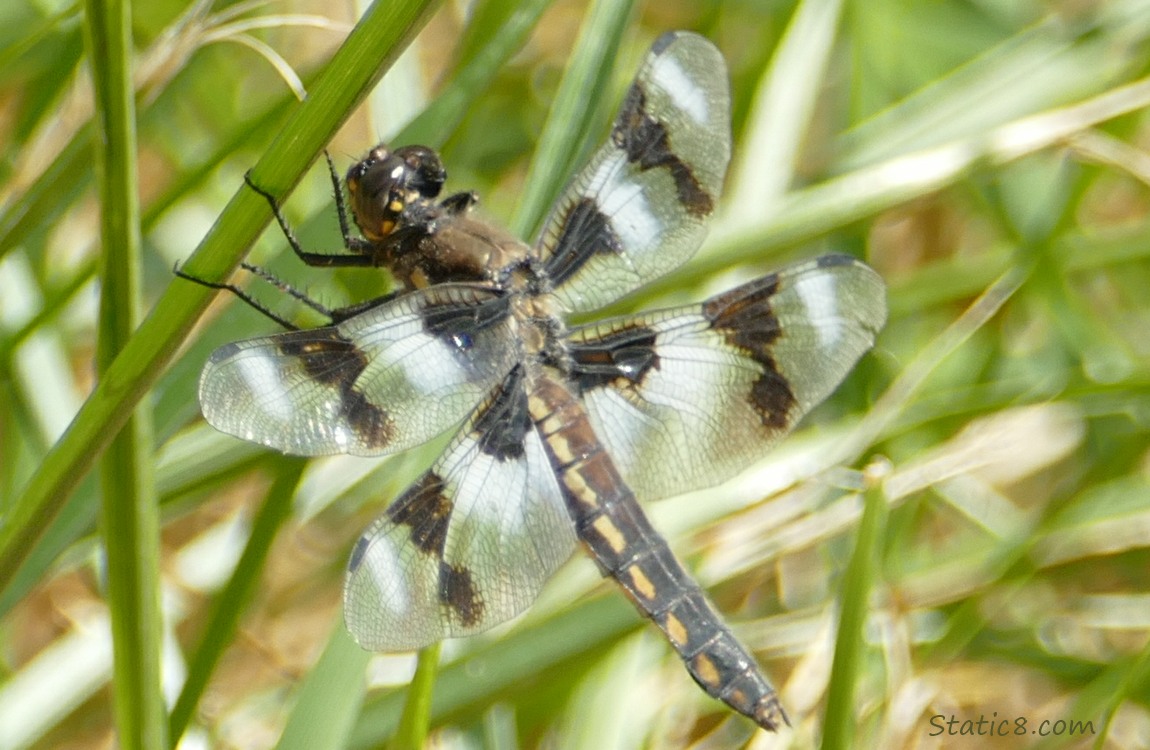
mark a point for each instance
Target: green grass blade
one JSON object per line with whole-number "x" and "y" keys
{"x": 130, "y": 519}
{"x": 413, "y": 724}
{"x": 331, "y": 697}
{"x": 435, "y": 124}
{"x": 573, "y": 111}
{"x": 862, "y": 571}
{"x": 784, "y": 103}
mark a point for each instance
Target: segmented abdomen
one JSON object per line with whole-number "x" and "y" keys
{"x": 616, "y": 532}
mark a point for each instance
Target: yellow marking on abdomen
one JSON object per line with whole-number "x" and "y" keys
{"x": 610, "y": 533}
{"x": 705, "y": 670}
{"x": 546, "y": 417}
{"x": 676, "y": 631}
{"x": 577, "y": 484}
{"x": 642, "y": 583}
{"x": 560, "y": 447}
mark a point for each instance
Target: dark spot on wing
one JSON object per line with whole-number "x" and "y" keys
{"x": 647, "y": 143}
{"x": 773, "y": 399}
{"x": 333, "y": 361}
{"x": 373, "y": 425}
{"x": 426, "y": 509}
{"x": 832, "y": 260}
{"x": 663, "y": 42}
{"x": 457, "y": 591}
{"x": 469, "y": 323}
{"x": 503, "y": 422}
{"x": 628, "y": 353}
{"x": 452, "y": 320}
{"x": 745, "y": 319}
{"x": 327, "y": 357}
{"x": 585, "y": 232}
{"x": 357, "y": 553}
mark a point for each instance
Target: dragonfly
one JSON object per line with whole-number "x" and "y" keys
{"x": 560, "y": 430}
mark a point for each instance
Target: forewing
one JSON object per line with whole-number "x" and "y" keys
{"x": 469, "y": 545}
{"x": 640, "y": 207}
{"x": 389, "y": 378}
{"x": 687, "y": 398}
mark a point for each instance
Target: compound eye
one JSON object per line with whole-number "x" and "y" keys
{"x": 425, "y": 171}
{"x": 386, "y": 184}
{"x": 376, "y": 186}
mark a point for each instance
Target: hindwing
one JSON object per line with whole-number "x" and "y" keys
{"x": 470, "y": 544}
{"x": 686, "y": 398}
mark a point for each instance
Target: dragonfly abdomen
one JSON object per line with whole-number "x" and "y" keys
{"x": 616, "y": 532}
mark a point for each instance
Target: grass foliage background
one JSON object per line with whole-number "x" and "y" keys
{"x": 988, "y": 158}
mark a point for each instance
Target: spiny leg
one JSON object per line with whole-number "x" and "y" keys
{"x": 334, "y": 315}
{"x": 354, "y": 244}
{"x": 251, "y": 301}
{"x": 359, "y": 250}
{"x": 288, "y": 289}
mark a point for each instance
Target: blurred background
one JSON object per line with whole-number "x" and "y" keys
{"x": 988, "y": 158}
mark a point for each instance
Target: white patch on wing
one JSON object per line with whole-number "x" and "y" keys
{"x": 618, "y": 424}
{"x": 386, "y": 576}
{"x": 260, "y": 376}
{"x": 681, "y": 88}
{"x": 503, "y": 495}
{"x": 625, "y": 205}
{"x": 677, "y": 417}
{"x": 434, "y": 369}
{"x": 689, "y": 413}
{"x": 688, "y": 378}
{"x": 509, "y": 528}
{"x": 487, "y": 487}
{"x": 429, "y": 365}
{"x": 819, "y": 296}
{"x": 547, "y": 510}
